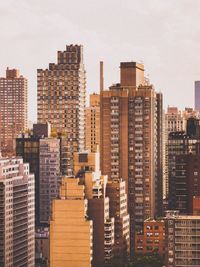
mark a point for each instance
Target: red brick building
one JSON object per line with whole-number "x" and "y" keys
{"x": 152, "y": 239}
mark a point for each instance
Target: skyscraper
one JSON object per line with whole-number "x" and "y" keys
{"x": 175, "y": 121}
{"x": 186, "y": 182}
{"x": 197, "y": 95}
{"x": 61, "y": 98}
{"x": 50, "y": 176}
{"x": 28, "y": 147}
{"x": 13, "y": 109}
{"x": 17, "y": 209}
{"x": 183, "y": 166}
{"x": 131, "y": 142}
{"x": 92, "y": 123}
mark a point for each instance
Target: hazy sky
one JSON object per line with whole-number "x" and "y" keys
{"x": 163, "y": 34}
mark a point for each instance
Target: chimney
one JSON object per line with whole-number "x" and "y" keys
{"x": 101, "y": 77}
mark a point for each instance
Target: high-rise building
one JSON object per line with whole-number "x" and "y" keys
{"x": 62, "y": 97}
{"x": 50, "y": 176}
{"x": 175, "y": 121}
{"x": 116, "y": 192}
{"x": 113, "y": 198}
{"x": 197, "y": 95}
{"x": 183, "y": 170}
{"x": 185, "y": 179}
{"x": 191, "y": 113}
{"x": 92, "y": 123}
{"x": 86, "y": 166}
{"x": 182, "y": 240}
{"x": 17, "y": 231}
{"x": 42, "y": 253}
{"x": 13, "y": 109}
{"x": 28, "y": 147}
{"x": 131, "y": 142}
{"x": 71, "y": 232}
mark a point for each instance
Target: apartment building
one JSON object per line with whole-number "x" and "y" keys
{"x": 132, "y": 142}
{"x": 13, "y": 109}
{"x": 50, "y": 176}
{"x": 61, "y": 99}
{"x": 86, "y": 167}
{"x": 186, "y": 183}
{"x": 175, "y": 121}
{"x": 183, "y": 240}
{"x": 71, "y": 232}
{"x": 17, "y": 213}
{"x": 116, "y": 191}
{"x": 92, "y": 123}
{"x": 183, "y": 166}
{"x": 27, "y": 147}
{"x": 152, "y": 239}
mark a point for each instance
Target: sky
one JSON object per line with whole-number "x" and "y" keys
{"x": 163, "y": 34}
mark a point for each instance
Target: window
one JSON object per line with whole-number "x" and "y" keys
{"x": 83, "y": 157}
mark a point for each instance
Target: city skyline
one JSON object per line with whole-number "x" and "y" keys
{"x": 169, "y": 49}
{"x": 99, "y": 133}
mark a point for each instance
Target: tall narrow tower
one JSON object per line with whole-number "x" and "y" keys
{"x": 131, "y": 142}
{"x": 13, "y": 109}
{"x": 92, "y": 125}
{"x": 17, "y": 228}
{"x": 61, "y": 98}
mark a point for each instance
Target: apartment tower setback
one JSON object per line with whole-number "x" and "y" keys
{"x": 61, "y": 99}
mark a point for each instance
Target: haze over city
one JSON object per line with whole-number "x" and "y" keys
{"x": 100, "y": 133}
{"x": 164, "y": 35}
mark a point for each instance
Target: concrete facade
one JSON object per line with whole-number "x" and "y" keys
{"x": 17, "y": 213}
{"x": 182, "y": 240}
{"x": 116, "y": 192}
